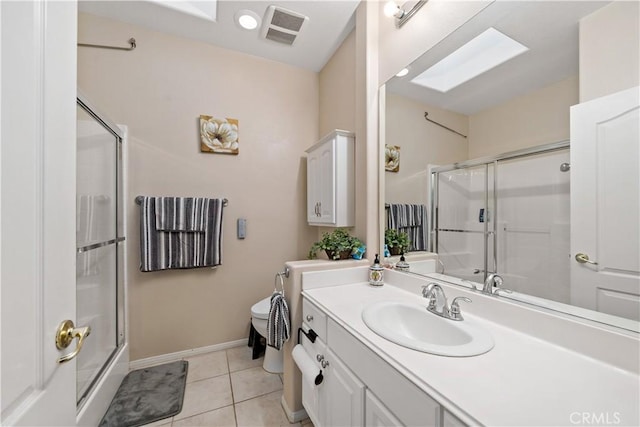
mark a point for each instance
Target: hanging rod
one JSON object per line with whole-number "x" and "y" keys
{"x": 441, "y": 125}
{"x": 225, "y": 202}
{"x": 131, "y": 41}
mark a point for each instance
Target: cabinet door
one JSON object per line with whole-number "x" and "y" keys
{"x": 327, "y": 182}
{"x": 450, "y": 420}
{"x": 376, "y": 414}
{"x": 313, "y": 186}
{"x": 343, "y": 395}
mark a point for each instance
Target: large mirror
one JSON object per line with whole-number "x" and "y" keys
{"x": 481, "y": 173}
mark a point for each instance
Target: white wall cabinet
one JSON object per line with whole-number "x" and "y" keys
{"x": 359, "y": 387}
{"x": 331, "y": 181}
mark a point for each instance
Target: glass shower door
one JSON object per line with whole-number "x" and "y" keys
{"x": 533, "y": 224}
{"x": 463, "y": 232}
{"x": 99, "y": 288}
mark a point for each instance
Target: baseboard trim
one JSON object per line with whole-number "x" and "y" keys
{"x": 179, "y": 355}
{"x": 293, "y": 417}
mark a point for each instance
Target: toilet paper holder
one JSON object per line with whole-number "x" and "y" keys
{"x": 311, "y": 335}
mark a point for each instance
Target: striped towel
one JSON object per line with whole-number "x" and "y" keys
{"x": 181, "y": 213}
{"x": 278, "y": 322}
{"x": 162, "y": 250}
{"x": 411, "y": 219}
{"x": 403, "y": 216}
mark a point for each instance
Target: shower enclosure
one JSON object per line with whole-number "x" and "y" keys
{"x": 100, "y": 290}
{"x": 507, "y": 214}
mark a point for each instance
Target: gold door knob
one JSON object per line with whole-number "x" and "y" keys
{"x": 66, "y": 333}
{"x": 584, "y": 259}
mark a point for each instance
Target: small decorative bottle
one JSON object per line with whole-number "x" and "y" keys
{"x": 402, "y": 265}
{"x": 376, "y": 273}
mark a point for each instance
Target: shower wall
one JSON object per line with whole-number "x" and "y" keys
{"x": 510, "y": 217}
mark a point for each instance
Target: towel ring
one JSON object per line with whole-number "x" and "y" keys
{"x": 275, "y": 285}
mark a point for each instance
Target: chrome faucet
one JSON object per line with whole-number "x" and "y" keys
{"x": 492, "y": 285}
{"x": 438, "y": 302}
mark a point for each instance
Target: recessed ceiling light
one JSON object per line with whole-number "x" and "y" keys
{"x": 247, "y": 19}
{"x": 402, "y": 72}
{"x": 484, "y": 52}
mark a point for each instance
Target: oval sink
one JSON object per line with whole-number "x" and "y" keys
{"x": 412, "y": 326}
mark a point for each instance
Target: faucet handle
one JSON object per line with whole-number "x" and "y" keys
{"x": 428, "y": 291}
{"x": 470, "y": 284}
{"x": 455, "y": 308}
{"x": 497, "y": 291}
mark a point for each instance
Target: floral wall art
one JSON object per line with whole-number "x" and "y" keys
{"x": 218, "y": 135}
{"x": 391, "y": 158}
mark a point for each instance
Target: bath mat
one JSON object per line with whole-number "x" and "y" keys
{"x": 148, "y": 395}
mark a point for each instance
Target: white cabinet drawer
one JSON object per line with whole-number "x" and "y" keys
{"x": 404, "y": 399}
{"x": 315, "y": 319}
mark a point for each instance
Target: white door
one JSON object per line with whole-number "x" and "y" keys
{"x": 37, "y": 176}
{"x": 605, "y": 204}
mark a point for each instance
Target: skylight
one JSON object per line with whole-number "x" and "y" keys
{"x": 479, "y": 55}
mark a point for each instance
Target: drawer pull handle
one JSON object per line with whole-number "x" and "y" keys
{"x": 309, "y": 318}
{"x": 319, "y": 378}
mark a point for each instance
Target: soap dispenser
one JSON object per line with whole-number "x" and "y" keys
{"x": 402, "y": 265}
{"x": 376, "y": 273}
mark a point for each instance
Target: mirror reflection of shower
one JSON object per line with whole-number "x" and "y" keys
{"x": 507, "y": 215}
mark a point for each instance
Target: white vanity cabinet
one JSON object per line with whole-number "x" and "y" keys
{"x": 331, "y": 180}
{"x": 359, "y": 387}
{"x": 377, "y": 414}
{"x": 339, "y": 399}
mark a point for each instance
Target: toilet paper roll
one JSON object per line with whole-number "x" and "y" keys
{"x": 306, "y": 364}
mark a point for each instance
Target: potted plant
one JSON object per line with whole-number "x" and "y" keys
{"x": 397, "y": 241}
{"x": 338, "y": 245}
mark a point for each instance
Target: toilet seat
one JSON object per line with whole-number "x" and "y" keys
{"x": 260, "y": 310}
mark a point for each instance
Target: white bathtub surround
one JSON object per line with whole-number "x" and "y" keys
{"x": 545, "y": 369}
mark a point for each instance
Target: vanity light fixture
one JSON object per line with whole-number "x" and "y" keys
{"x": 402, "y": 13}
{"x": 482, "y": 53}
{"x": 402, "y": 72}
{"x": 247, "y": 19}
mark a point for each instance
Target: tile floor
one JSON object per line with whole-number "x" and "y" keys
{"x": 227, "y": 388}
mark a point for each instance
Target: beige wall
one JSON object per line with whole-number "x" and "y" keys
{"x": 338, "y": 101}
{"x": 609, "y": 50}
{"x": 337, "y": 89}
{"x": 158, "y": 91}
{"x": 421, "y": 143}
{"x": 536, "y": 118}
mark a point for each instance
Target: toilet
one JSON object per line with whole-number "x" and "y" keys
{"x": 272, "y": 357}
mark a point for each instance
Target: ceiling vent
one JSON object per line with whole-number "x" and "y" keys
{"x": 282, "y": 25}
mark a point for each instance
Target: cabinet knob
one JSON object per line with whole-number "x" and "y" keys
{"x": 309, "y": 318}
{"x": 319, "y": 357}
{"x": 324, "y": 364}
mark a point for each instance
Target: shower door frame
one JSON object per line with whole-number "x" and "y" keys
{"x": 434, "y": 172}
{"x": 94, "y": 402}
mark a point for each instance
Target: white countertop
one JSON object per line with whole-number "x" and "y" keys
{"x": 523, "y": 380}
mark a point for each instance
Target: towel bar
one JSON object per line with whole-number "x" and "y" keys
{"x": 225, "y": 202}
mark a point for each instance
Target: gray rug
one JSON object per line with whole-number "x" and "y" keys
{"x": 148, "y": 395}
